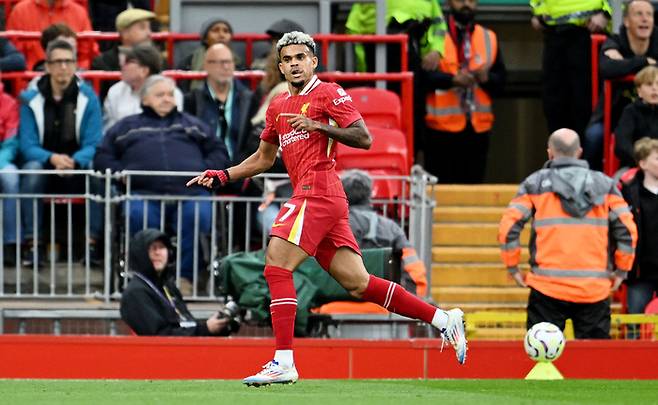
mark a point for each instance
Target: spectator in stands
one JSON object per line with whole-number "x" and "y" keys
{"x": 224, "y": 103}
{"x": 423, "y": 22}
{"x": 459, "y": 112}
{"x": 103, "y": 13}
{"x": 566, "y": 64}
{"x": 639, "y": 118}
{"x": 275, "y": 32}
{"x": 213, "y": 31}
{"x": 134, "y": 27}
{"x": 60, "y": 125}
{"x": 35, "y": 15}
{"x": 372, "y": 230}
{"x": 8, "y": 181}
{"x": 151, "y": 304}
{"x": 579, "y": 221}
{"x": 10, "y": 59}
{"x": 641, "y": 193}
{"x": 142, "y": 61}
{"x": 51, "y": 33}
{"x": 635, "y": 47}
{"x": 180, "y": 143}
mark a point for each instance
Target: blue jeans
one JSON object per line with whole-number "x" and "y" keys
{"x": 9, "y": 185}
{"x": 136, "y": 214}
{"x": 32, "y": 184}
{"x": 593, "y": 146}
{"x": 638, "y": 295}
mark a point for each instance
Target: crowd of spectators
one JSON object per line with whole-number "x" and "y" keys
{"x": 58, "y": 122}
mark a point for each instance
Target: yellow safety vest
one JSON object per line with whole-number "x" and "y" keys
{"x": 446, "y": 111}
{"x": 576, "y": 12}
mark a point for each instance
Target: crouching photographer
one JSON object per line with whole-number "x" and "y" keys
{"x": 152, "y": 305}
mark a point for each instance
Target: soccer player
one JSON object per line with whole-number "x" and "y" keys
{"x": 306, "y": 122}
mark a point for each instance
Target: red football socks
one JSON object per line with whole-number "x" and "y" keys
{"x": 396, "y": 299}
{"x": 283, "y": 306}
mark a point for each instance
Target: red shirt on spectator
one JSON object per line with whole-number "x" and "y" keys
{"x": 35, "y": 15}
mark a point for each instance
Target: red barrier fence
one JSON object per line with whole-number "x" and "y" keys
{"x": 596, "y": 41}
{"x": 129, "y": 357}
{"x": 610, "y": 161}
{"x": 170, "y": 38}
{"x": 20, "y": 80}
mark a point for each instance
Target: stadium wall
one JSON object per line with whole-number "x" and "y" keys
{"x": 92, "y": 357}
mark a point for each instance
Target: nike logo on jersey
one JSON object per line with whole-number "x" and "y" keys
{"x": 277, "y": 225}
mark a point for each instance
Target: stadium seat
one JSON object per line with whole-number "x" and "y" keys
{"x": 379, "y": 107}
{"x": 387, "y": 156}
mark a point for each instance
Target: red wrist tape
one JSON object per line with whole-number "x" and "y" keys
{"x": 221, "y": 175}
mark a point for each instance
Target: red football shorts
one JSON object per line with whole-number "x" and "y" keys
{"x": 319, "y": 225}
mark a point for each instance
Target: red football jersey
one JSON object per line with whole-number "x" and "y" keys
{"x": 310, "y": 157}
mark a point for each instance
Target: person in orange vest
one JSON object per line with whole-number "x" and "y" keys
{"x": 581, "y": 225}
{"x": 459, "y": 114}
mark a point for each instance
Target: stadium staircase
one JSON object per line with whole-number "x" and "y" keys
{"x": 467, "y": 270}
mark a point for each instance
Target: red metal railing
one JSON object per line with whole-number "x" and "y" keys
{"x": 610, "y": 161}
{"x": 597, "y": 41}
{"x": 170, "y": 38}
{"x": 20, "y": 79}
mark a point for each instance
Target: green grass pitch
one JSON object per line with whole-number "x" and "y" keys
{"x": 310, "y": 392}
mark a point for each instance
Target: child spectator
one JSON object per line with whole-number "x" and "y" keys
{"x": 640, "y": 118}
{"x": 641, "y": 193}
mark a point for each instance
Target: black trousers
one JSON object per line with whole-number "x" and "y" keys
{"x": 590, "y": 321}
{"x": 457, "y": 157}
{"x": 567, "y": 78}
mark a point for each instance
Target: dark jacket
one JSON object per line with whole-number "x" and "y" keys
{"x": 145, "y": 306}
{"x": 623, "y": 93}
{"x": 200, "y": 103}
{"x": 632, "y": 191}
{"x": 108, "y": 61}
{"x": 637, "y": 121}
{"x": 10, "y": 58}
{"x": 146, "y": 141}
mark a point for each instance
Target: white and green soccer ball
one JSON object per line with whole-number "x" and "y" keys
{"x": 544, "y": 342}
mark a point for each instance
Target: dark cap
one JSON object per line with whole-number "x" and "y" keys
{"x": 278, "y": 28}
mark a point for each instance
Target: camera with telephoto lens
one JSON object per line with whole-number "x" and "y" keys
{"x": 230, "y": 311}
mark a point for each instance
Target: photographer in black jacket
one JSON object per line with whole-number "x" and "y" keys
{"x": 151, "y": 304}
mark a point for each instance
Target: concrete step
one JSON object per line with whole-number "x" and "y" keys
{"x": 471, "y": 275}
{"x": 468, "y": 307}
{"x": 471, "y": 254}
{"x": 476, "y": 234}
{"x": 480, "y": 294}
{"x": 468, "y": 214}
{"x": 496, "y": 195}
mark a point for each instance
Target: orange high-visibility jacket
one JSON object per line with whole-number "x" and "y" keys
{"x": 445, "y": 109}
{"x": 577, "y": 239}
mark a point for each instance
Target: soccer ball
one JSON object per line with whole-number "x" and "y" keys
{"x": 544, "y": 342}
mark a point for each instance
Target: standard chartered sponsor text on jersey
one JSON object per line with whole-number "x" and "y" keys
{"x": 294, "y": 136}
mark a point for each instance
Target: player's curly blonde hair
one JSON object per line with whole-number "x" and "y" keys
{"x": 295, "y": 38}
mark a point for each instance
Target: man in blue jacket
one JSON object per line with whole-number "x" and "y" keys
{"x": 163, "y": 139}
{"x": 60, "y": 125}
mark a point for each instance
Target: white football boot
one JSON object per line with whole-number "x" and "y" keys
{"x": 454, "y": 333}
{"x": 272, "y": 373}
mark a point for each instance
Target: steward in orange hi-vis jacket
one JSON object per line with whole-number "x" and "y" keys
{"x": 582, "y": 240}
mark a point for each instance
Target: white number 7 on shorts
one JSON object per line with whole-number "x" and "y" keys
{"x": 291, "y": 208}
